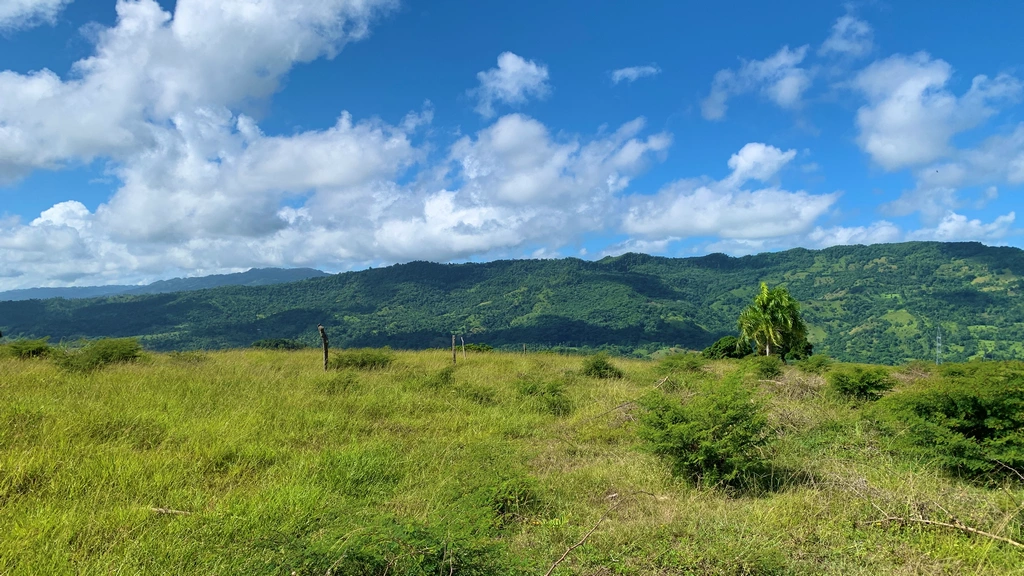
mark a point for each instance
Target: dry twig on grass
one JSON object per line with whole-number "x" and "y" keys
{"x": 618, "y": 501}
{"x": 170, "y": 511}
{"x": 584, "y": 539}
{"x": 661, "y": 382}
{"x": 625, "y": 404}
{"x": 1010, "y": 468}
{"x": 956, "y": 526}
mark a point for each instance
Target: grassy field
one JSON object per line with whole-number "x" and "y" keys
{"x": 258, "y": 462}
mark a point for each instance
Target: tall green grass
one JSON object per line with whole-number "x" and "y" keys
{"x": 259, "y": 462}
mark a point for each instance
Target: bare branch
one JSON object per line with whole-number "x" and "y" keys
{"x": 957, "y": 526}
{"x": 581, "y": 542}
{"x": 170, "y": 511}
{"x": 1011, "y": 469}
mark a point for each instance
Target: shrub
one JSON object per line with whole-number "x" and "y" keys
{"x": 677, "y": 363}
{"x": 768, "y": 367}
{"x": 513, "y": 497}
{"x": 971, "y": 420}
{"x": 918, "y": 367}
{"x": 861, "y": 383}
{"x": 555, "y": 401}
{"x": 443, "y": 378}
{"x": 362, "y": 358}
{"x": 188, "y": 357}
{"x": 550, "y": 394}
{"x": 728, "y": 347}
{"x": 395, "y": 546}
{"x": 482, "y": 395}
{"x": 798, "y": 350}
{"x": 599, "y": 366}
{"x": 99, "y": 353}
{"x": 816, "y": 364}
{"x": 479, "y": 348}
{"x": 719, "y": 436}
{"x": 24, "y": 349}
{"x": 278, "y": 344}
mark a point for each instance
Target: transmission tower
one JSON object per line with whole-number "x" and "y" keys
{"x": 938, "y": 345}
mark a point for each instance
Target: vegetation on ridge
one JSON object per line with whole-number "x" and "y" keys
{"x": 881, "y": 304}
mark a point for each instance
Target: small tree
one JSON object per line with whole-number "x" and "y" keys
{"x": 598, "y": 366}
{"x": 719, "y": 436}
{"x": 772, "y": 322}
{"x": 728, "y": 347}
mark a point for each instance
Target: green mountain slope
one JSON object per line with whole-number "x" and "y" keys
{"x": 880, "y": 303}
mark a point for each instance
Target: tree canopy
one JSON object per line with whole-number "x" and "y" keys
{"x": 772, "y": 322}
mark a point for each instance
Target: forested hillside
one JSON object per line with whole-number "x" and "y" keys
{"x": 880, "y": 303}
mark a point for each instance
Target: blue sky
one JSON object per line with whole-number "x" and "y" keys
{"x": 142, "y": 140}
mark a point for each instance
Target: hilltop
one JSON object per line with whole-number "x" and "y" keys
{"x": 881, "y": 303}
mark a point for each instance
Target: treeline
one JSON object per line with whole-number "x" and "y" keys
{"x": 882, "y": 304}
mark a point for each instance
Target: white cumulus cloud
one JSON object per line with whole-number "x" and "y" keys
{"x": 725, "y": 209}
{"x": 850, "y": 36}
{"x": 152, "y": 65}
{"x": 875, "y": 233}
{"x": 779, "y": 77}
{"x": 514, "y": 81}
{"x": 957, "y": 227}
{"x": 910, "y": 116}
{"x": 15, "y": 14}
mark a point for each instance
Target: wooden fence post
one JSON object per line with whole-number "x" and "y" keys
{"x": 524, "y": 349}
{"x": 463, "y": 347}
{"x": 453, "y": 348}
{"x": 323, "y": 336}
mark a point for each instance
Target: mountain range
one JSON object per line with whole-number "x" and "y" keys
{"x": 883, "y": 303}
{"x": 253, "y": 277}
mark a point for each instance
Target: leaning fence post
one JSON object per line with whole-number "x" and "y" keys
{"x": 453, "y": 348}
{"x": 323, "y": 336}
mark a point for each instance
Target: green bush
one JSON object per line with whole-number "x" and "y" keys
{"x": 970, "y": 420}
{"x": 920, "y": 367}
{"x": 728, "y": 347}
{"x": 861, "y": 383}
{"x": 513, "y": 497}
{"x": 599, "y": 366}
{"x": 551, "y": 394}
{"x": 478, "y": 393}
{"x": 96, "y": 354}
{"x": 801, "y": 349}
{"x": 719, "y": 436}
{"x": 768, "y": 367}
{"x": 24, "y": 349}
{"x": 395, "y": 546}
{"x": 362, "y": 358}
{"x": 278, "y": 344}
{"x": 680, "y": 363}
{"x": 479, "y": 348}
{"x": 816, "y": 364}
{"x": 443, "y": 378}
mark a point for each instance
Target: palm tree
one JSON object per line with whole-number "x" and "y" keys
{"x": 772, "y": 320}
